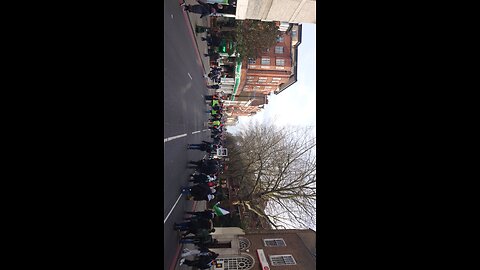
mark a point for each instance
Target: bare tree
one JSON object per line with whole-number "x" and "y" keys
{"x": 276, "y": 166}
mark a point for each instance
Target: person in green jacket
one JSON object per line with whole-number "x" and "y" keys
{"x": 216, "y": 123}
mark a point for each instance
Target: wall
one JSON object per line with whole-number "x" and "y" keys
{"x": 294, "y": 11}
{"x": 272, "y": 74}
{"x": 295, "y": 247}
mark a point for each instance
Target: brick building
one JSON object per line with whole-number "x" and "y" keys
{"x": 266, "y": 249}
{"x": 273, "y": 71}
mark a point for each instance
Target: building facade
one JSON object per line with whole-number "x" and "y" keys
{"x": 273, "y": 68}
{"x": 273, "y": 71}
{"x": 292, "y": 11}
{"x": 265, "y": 249}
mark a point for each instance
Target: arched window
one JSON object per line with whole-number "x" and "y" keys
{"x": 243, "y": 262}
{"x": 244, "y": 243}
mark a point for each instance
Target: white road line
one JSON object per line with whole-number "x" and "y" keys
{"x": 189, "y": 76}
{"x": 174, "y": 137}
{"x": 171, "y": 16}
{"x": 205, "y": 129}
{"x": 196, "y": 132}
{"x": 165, "y": 220}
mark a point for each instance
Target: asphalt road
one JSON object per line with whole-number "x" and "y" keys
{"x": 184, "y": 119}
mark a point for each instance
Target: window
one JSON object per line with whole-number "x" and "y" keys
{"x": 277, "y": 242}
{"x": 294, "y": 33}
{"x": 282, "y": 260}
{"x": 250, "y": 77}
{"x": 278, "y": 49}
{"x": 276, "y": 79}
{"x": 244, "y": 243}
{"x": 265, "y": 50}
{"x": 237, "y": 263}
{"x": 280, "y": 39}
{"x": 280, "y": 62}
{"x": 251, "y": 61}
{"x": 262, "y": 79}
{"x": 265, "y": 61}
{"x": 222, "y": 245}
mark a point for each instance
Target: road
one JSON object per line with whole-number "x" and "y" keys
{"x": 184, "y": 118}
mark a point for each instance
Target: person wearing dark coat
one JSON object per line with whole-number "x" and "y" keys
{"x": 212, "y": 41}
{"x": 203, "y": 262}
{"x": 205, "y": 166}
{"x": 205, "y": 214}
{"x": 204, "y": 146}
{"x": 217, "y": 131}
{"x": 198, "y": 218}
{"x": 216, "y": 107}
{"x": 210, "y": 168}
{"x": 198, "y": 191}
{"x": 201, "y": 147}
{"x": 216, "y": 117}
{"x": 194, "y": 225}
{"x": 217, "y": 140}
{"x": 215, "y": 86}
{"x": 200, "y": 235}
{"x": 197, "y": 252}
{"x": 199, "y": 178}
{"x": 204, "y": 9}
{"x": 211, "y": 97}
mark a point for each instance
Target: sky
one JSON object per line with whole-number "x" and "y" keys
{"x": 296, "y": 105}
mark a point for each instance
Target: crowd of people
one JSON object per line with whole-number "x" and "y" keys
{"x": 197, "y": 227}
{"x": 197, "y": 230}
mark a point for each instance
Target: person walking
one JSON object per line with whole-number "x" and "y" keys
{"x": 215, "y": 123}
{"x": 203, "y": 262}
{"x": 200, "y": 235}
{"x": 200, "y": 146}
{"x": 215, "y": 86}
{"x": 199, "y": 178}
{"x": 202, "y": 8}
{"x": 209, "y": 214}
{"x": 197, "y": 252}
{"x": 198, "y": 191}
{"x": 210, "y": 168}
{"x": 194, "y": 225}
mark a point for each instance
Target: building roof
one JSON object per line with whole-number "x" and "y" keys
{"x": 293, "y": 78}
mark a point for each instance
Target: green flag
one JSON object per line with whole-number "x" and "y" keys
{"x": 220, "y": 211}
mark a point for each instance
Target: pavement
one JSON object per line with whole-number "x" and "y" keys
{"x": 195, "y": 20}
{"x": 185, "y": 120}
{"x": 200, "y": 206}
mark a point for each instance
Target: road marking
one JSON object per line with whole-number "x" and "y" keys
{"x": 199, "y": 61}
{"x": 189, "y": 76}
{"x": 165, "y": 220}
{"x": 205, "y": 129}
{"x": 174, "y": 137}
{"x": 171, "y": 15}
{"x": 175, "y": 259}
{"x": 196, "y": 132}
